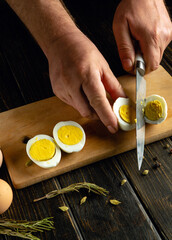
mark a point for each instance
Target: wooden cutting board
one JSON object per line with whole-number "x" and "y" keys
{"x": 40, "y": 118}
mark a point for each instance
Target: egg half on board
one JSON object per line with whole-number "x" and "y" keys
{"x": 43, "y": 151}
{"x": 125, "y": 111}
{"x": 155, "y": 110}
{"x": 69, "y": 136}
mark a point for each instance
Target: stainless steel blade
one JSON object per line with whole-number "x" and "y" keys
{"x": 140, "y": 124}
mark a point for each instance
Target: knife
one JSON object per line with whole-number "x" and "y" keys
{"x": 140, "y": 100}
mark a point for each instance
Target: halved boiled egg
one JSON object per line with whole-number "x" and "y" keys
{"x": 43, "y": 151}
{"x": 154, "y": 107}
{"x": 155, "y": 110}
{"x": 69, "y": 136}
{"x": 125, "y": 113}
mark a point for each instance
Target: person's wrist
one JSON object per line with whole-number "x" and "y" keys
{"x": 60, "y": 38}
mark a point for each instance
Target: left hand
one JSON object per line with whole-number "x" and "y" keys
{"x": 148, "y": 23}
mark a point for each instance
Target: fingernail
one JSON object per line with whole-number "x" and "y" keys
{"x": 112, "y": 129}
{"x": 127, "y": 64}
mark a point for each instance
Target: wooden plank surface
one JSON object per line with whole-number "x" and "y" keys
{"x": 155, "y": 189}
{"x": 41, "y": 117}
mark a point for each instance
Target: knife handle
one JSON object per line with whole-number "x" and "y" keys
{"x": 140, "y": 63}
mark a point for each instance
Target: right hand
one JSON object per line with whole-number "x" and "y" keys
{"x": 80, "y": 76}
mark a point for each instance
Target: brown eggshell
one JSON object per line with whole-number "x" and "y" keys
{"x": 6, "y": 196}
{"x": 1, "y": 158}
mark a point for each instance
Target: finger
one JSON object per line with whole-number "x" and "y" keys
{"x": 124, "y": 44}
{"x": 112, "y": 85}
{"x": 96, "y": 95}
{"x": 151, "y": 54}
{"x": 81, "y": 104}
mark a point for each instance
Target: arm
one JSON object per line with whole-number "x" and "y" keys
{"x": 79, "y": 74}
{"x": 146, "y": 22}
{"x": 46, "y": 20}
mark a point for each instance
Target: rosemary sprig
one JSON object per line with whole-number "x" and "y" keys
{"x": 75, "y": 187}
{"x": 24, "y": 229}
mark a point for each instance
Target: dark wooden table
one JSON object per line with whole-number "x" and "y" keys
{"x": 145, "y": 211}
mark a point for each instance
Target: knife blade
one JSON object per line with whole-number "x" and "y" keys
{"x": 140, "y": 100}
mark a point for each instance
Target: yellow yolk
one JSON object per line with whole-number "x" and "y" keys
{"x": 153, "y": 110}
{"x": 42, "y": 150}
{"x": 127, "y": 113}
{"x": 70, "y": 135}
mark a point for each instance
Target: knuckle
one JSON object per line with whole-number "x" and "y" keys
{"x": 96, "y": 101}
{"x": 86, "y": 114}
{"x": 154, "y": 66}
{"x": 167, "y": 35}
{"x": 155, "y": 34}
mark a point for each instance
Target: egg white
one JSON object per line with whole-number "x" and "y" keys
{"x": 1, "y": 158}
{"x": 47, "y": 163}
{"x": 65, "y": 147}
{"x": 164, "y": 108}
{"x": 116, "y": 106}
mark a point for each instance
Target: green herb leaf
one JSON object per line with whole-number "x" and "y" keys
{"x": 64, "y": 208}
{"x": 145, "y": 172}
{"x": 75, "y": 187}
{"x": 123, "y": 181}
{"x": 83, "y": 200}
{"x": 115, "y": 202}
{"x": 28, "y": 163}
{"x": 23, "y": 228}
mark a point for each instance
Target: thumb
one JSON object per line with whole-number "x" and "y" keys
{"x": 125, "y": 45}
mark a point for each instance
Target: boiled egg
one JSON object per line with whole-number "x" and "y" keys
{"x": 69, "y": 136}
{"x": 1, "y": 158}
{"x": 43, "y": 151}
{"x": 6, "y": 196}
{"x": 155, "y": 110}
{"x": 125, "y": 112}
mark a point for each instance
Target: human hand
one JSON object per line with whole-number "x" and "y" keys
{"x": 80, "y": 76}
{"x": 148, "y": 23}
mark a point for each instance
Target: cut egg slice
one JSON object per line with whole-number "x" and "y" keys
{"x": 69, "y": 136}
{"x": 43, "y": 151}
{"x": 155, "y": 110}
{"x": 125, "y": 113}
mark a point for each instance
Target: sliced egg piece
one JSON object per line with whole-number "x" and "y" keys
{"x": 43, "y": 151}
{"x": 125, "y": 113}
{"x": 155, "y": 110}
{"x": 69, "y": 136}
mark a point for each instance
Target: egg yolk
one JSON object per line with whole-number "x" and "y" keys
{"x": 70, "y": 135}
{"x": 42, "y": 150}
{"x": 127, "y": 113}
{"x": 153, "y": 110}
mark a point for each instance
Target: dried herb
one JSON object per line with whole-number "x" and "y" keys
{"x": 83, "y": 200}
{"x": 115, "y": 202}
{"x": 145, "y": 172}
{"x": 28, "y": 163}
{"x": 166, "y": 146}
{"x": 123, "y": 181}
{"x": 75, "y": 187}
{"x": 24, "y": 229}
{"x": 64, "y": 208}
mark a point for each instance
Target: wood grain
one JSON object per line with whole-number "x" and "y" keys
{"x": 154, "y": 190}
{"x": 40, "y": 118}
